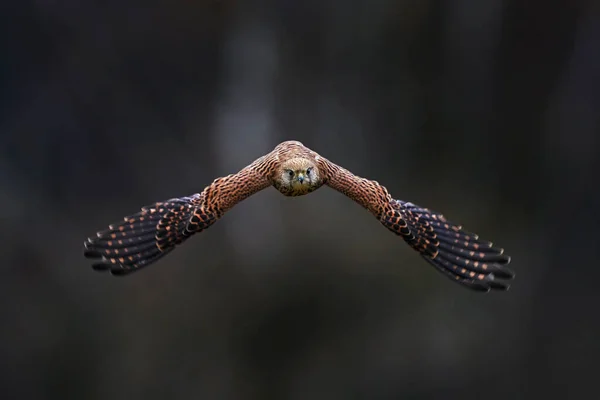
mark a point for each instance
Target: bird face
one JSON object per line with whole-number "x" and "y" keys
{"x": 299, "y": 176}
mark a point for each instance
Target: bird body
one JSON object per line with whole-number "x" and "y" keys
{"x": 295, "y": 170}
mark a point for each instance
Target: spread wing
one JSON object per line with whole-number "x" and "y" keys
{"x": 143, "y": 238}
{"x": 458, "y": 254}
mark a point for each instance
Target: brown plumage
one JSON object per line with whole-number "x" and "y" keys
{"x": 295, "y": 170}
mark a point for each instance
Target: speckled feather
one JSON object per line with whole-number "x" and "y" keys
{"x": 143, "y": 238}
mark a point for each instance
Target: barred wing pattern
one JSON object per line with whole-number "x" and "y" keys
{"x": 143, "y": 238}
{"x": 149, "y": 235}
{"x": 458, "y": 254}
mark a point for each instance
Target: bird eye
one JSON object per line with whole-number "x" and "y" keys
{"x": 308, "y": 170}
{"x": 291, "y": 173}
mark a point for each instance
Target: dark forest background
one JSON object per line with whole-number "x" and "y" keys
{"x": 485, "y": 110}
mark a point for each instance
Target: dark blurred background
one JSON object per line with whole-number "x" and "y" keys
{"x": 485, "y": 110}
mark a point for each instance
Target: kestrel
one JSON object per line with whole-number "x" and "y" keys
{"x": 295, "y": 170}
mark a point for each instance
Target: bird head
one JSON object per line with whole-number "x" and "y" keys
{"x": 299, "y": 174}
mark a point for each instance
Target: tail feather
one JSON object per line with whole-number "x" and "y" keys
{"x": 145, "y": 237}
{"x": 458, "y": 254}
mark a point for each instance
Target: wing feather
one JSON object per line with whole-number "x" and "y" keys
{"x": 457, "y": 253}
{"x": 145, "y": 237}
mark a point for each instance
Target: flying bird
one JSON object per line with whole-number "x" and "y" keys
{"x": 294, "y": 170}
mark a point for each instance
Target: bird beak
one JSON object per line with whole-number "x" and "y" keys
{"x": 300, "y": 178}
